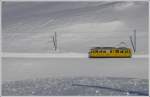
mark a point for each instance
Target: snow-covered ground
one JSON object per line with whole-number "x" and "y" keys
{"x": 55, "y": 76}
{"x": 64, "y": 86}
{"x": 57, "y": 55}
{"x": 26, "y": 68}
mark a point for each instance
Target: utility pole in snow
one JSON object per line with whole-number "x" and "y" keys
{"x": 133, "y": 43}
{"x": 55, "y": 41}
{"x": 135, "y": 39}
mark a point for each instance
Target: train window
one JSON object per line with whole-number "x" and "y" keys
{"x": 104, "y": 51}
{"x": 117, "y": 51}
{"x": 107, "y": 50}
{"x": 121, "y": 51}
{"x": 126, "y": 51}
{"x": 100, "y": 51}
{"x": 110, "y": 51}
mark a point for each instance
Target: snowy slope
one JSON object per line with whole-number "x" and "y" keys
{"x": 28, "y": 26}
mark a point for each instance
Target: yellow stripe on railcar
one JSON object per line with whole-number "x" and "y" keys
{"x": 110, "y": 52}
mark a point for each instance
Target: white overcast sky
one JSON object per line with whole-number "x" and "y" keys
{"x": 27, "y": 27}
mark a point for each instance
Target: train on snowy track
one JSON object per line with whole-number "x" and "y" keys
{"x": 110, "y": 52}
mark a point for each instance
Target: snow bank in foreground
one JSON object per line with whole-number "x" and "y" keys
{"x": 64, "y": 86}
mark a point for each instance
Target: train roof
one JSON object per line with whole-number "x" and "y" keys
{"x": 123, "y": 48}
{"x": 108, "y": 48}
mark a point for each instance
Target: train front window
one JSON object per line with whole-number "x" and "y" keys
{"x": 129, "y": 51}
{"x": 126, "y": 51}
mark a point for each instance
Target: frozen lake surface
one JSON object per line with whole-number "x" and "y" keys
{"x": 63, "y": 86}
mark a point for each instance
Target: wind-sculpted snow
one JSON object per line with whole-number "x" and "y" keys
{"x": 63, "y": 86}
